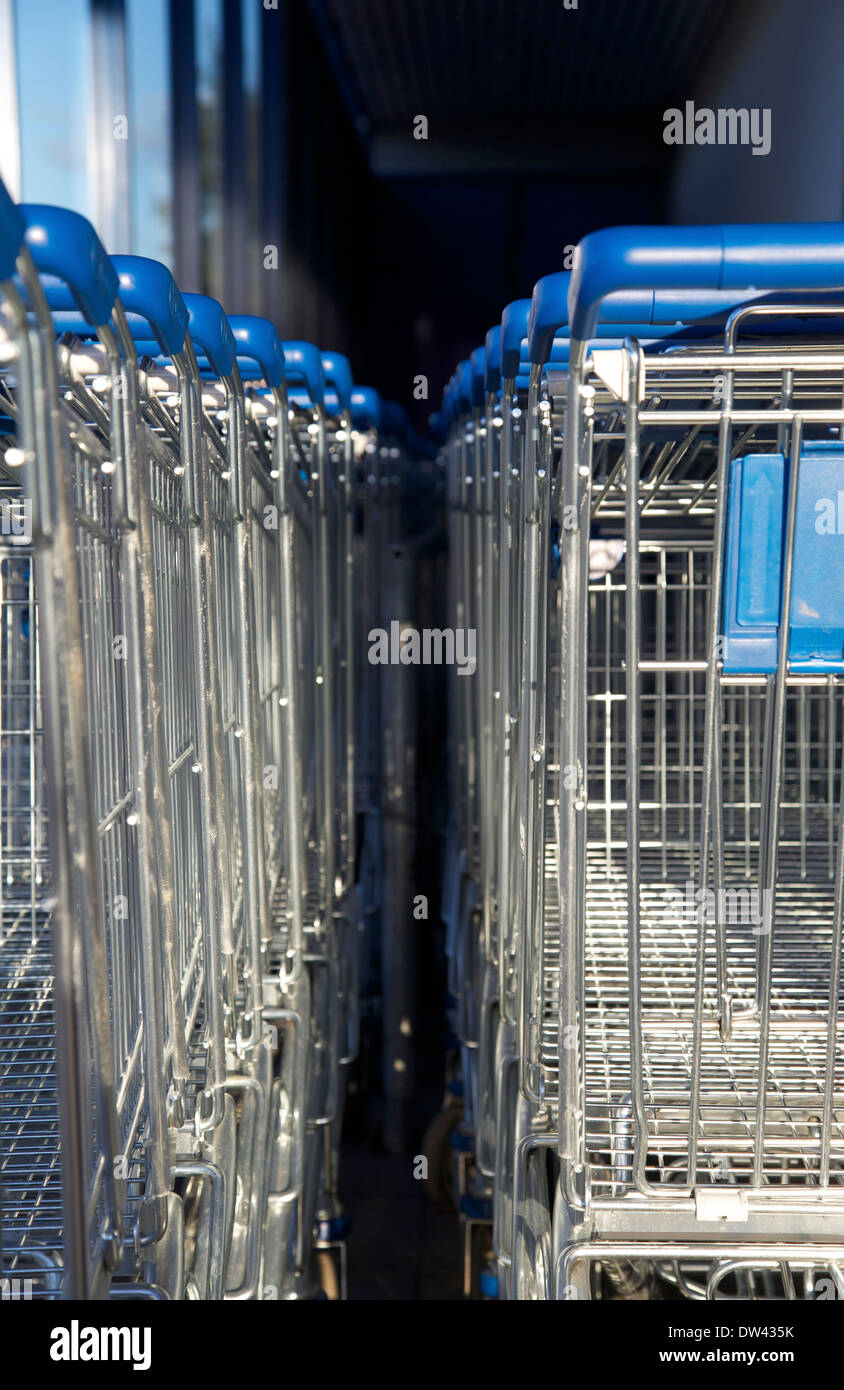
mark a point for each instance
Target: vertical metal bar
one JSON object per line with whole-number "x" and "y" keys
{"x": 749, "y": 732}
{"x": 660, "y": 749}
{"x": 346, "y": 606}
{"x": 256, "y": 912}
{"x": 325, "y": 667}
{"x": 292, "y": 736}
{"x": 609, "y": 598}
{"x": 830, "y": 783}
{"x": 215, "y": 886}
{"x": 505, "y": 723}
{"x": 710, "y": 813}
{"x": 834, "y": 994}
{"x": 531, "y": 762}
{"x": 148, "y": 763}
{"x": 803, "y": 760}
{"x": 632, "y": 651}
{"x": 571, "y": 886}
{"x": 775, "y": 761}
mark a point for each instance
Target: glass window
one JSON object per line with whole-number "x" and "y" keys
{"x": 148, "y": 56}
{"x": 54, "y": 65}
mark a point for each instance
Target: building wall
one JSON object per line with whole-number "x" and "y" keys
{"x": 785, "y": 55}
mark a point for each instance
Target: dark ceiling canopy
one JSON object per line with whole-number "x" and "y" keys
{"x": 477, "y": 66}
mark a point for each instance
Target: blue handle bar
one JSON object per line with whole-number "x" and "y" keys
{"x": 337, "y": 370}
{"x": 150, "y": 347}
{"x": 621, "y": 314}
{"x": 606, "y": 334}
{"x": 464, "y": 384}
{"x": 393, "y": 419}
{"x": 776, "y": 256}
{"x": 302, "y": 362}
{"x": 366, "y": 408}
{"x": 670, "y": 307}
{"x": 257, "y": 341}
{"x": 66, "y": 316}
{"x": 64, "y": 244}
{"x": 12, "y": 230}
{"x": 209, "y": 328}
{"x": 492, "y": 375}
{"x": 513, "y": 329}
{"x": 438, "y": 426}
{"x": 148, "y": 289}
{"x": 548, "y": 312}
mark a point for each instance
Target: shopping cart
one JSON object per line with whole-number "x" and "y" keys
{"x": 312, "y": 503}
{"x": 532, "y": 954}
{"x": 41, "y": 869}
{"x": 701, "y": 860}
{"x": 81, "y": 612}
{"x": 180, "y": 914}
{"x": 368, "y": 548}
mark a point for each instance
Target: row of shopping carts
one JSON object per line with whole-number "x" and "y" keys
{"x": 191, "y": 511}
{"x": 645, "y": 895}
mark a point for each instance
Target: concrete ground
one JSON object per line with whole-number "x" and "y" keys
{"x": 401, "y": 1245}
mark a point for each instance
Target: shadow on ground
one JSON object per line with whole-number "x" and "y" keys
{"x": 401, "y": 1245}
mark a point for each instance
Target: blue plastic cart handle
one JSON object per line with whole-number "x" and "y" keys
{"x": 209, "y": 329}
{"x": 66, "y": 320}
{"x": 478, "y": 365}
{"x": 302, "y": 362}
{"x": 366, "y": 408}
{"x": 492, "y": 374}
{"x": 149, "y": 347}
{"x": 257, "y": 341}
{"x": 464, "y": 385}
{"x": 437, "y": 426}
{"x": 776, "y": 256}
{"x": 608, "y": 335}
{"x": 394, "y": 419}
{"x": 337, "y": 370}
{"x": 64, "y": 244}
{"x": 514, "y": 322}
{"x": 548, "y": 312}
{"x": 148, "y": 289}
{"x": 12, "y": 230}
{"x": 622, "y": 314}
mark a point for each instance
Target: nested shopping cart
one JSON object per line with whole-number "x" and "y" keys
{"x": 701, "y": 848}
{"x": 535, "y": 520}
{"x": 541, "y": 965}
{"x": 90, "y": 1121}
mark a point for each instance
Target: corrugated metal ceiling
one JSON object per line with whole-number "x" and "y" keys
{"x": 480, "y": 62}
